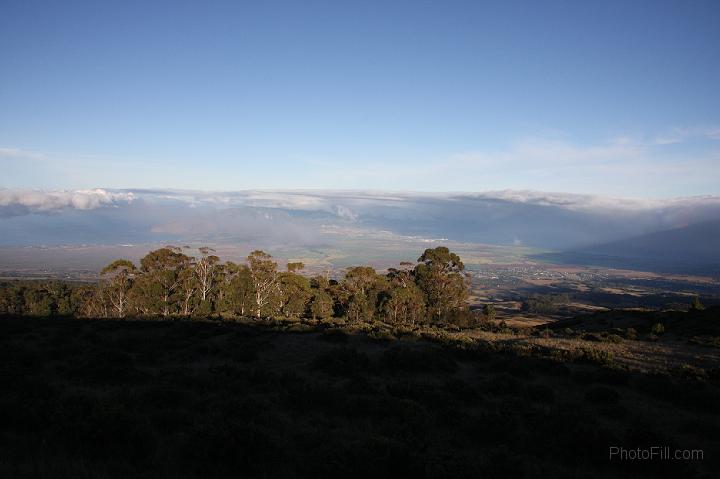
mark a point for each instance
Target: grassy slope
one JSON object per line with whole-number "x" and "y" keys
{"x": 86, "y": 398}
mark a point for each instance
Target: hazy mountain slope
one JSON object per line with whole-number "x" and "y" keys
{"x": 699, "y": 243}
{"x": 694, "y": 248}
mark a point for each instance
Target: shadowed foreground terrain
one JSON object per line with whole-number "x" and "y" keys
{"x": 89, "y": 398}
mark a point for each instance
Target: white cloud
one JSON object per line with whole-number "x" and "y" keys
{"x": 311, "y": 201}
{"x": 597, "y": 203}
{"x": 346, "y": 213}
{"x": 16, "y": 202}
{"x": 352, "y": 204}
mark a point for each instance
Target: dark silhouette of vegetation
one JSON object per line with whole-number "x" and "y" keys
{"x": 199, "y": 399}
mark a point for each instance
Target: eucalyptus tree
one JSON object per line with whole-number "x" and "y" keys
{"x": 146, "y": 297}
{"x": 61, "y": 293}
{"x": 321, "y": 305}
{"x": 324, "y": 296}
{"x": 205, "y": 271}
{"x": 235, "y": 289}
{"x": 362, "y": 290}
{"x": 320, "y": 282}
{"x": 189, "y": 286}
{"x": 264, "y": 276}
{"x": 360, "y": 279}
{"x": 360, "y": 309}
{"x": 402, "y": 276}
{"x": 439, "y": 275}
{"x": 118, "y": 279}
{"x": 163, "y": 267}
{"x": 404, "y": 305}
{"x": 90, "y": 301}
{"x": 294, "y": 291}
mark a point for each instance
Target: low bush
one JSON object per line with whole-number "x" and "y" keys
{"x": 598, "y": 356}
{"x": 657, "y": 329}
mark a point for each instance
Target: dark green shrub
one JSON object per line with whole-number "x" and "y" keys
{"x": 462, "y": 318}
{"x": 598, "y": 356}
{"x": 503, "y": 328}
{"x": 696, "y": 305}
{"x": 657, "y": 329}
{"x": 540, "y": 305}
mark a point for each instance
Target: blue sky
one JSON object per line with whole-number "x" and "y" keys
{"x": 617, "y": 98}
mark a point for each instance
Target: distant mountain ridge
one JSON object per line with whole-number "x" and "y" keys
{"x": 698, "y": 242}
{"x": 693, "y": 249}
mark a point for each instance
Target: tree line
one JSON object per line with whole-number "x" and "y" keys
{"x": 170, "y": 283}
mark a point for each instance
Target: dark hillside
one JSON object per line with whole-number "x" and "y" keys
{"x": 89, "y": 398}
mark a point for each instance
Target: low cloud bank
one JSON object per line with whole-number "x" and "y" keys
{"x": 520, "y": 217}
{"x": 344, "y": 203}
{"x": 22, "y": 202}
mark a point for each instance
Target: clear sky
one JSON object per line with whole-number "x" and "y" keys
{"x": 618, "y": 98}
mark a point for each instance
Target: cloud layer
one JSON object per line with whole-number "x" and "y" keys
{"x": 509, "y": 217}
{"x": 22, "y": 202}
